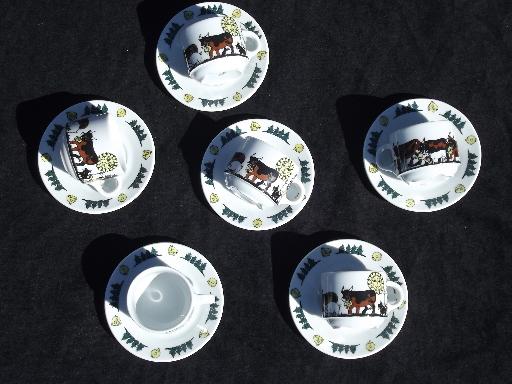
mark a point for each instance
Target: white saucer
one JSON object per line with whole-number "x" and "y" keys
{"x": 239, "y": 212}
{"x": 81, "y": 197}
{"x": 176, "y": 345}
{"x": 172, "y": 69}
{"x": 428, "y": 198}
{"x": 305, "y": 299}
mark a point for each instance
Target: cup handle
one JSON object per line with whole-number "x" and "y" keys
{"x": 254, "y": 43}
{"x": 298, "y": 200}
{"x": 204, "y": 299}
{"x": 381, "y": 150}
{"x": 398, "y": 288}
{"x": 99, "y": 185}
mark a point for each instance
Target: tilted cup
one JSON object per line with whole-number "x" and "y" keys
{"x": 357, "y": 299}
{"x": 421, "y": 153}
{"x": 263, "y": 175}
{"x": 217, "y": 50}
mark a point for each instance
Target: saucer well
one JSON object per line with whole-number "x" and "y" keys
{"x": 178, "y": 344}
{"x": 172, "y": 69}
{"x": 239, "y": 212}
{"x": 81, "y": 197}
{"x": 305, "y": 299}
{"x": 431, "y": 197}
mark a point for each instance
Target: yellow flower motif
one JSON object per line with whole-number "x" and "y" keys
{"x": 172, "y": 250}
{"x": 146, "y": 154}
{"x": 471, "y": 139}
{"x": 383, "y": 120}
{"x": 236, "y": 13}
{"x": 212, "y": 282}
{"x": 188, "y": 15}
{"x": 214, "y": 149}
{"x": 116, "y": 321}
{"x": 410, "y": 203}
{"x": 230, "y": 25}
{"x": 123, "y": 269}
{"x": 432, "y": 107}
{"x": 71, "y": 115}
{"x": 317, "y": 339}
{"x": 188, "y": 97}
{"x": 298, "y": 148}
{"x": 122, "y": 198}
{"x": 261, "y": 55}
{"x": 46, "y": 157}
{"x": 121, "y": 112}
{"x": 71, "y": 199}
{"x": 237, "y": 96}
{"x": 255, "y": 126}
{"x": 375, "y": 281}
{"x": 106, "y": 162}
{"x": 256, "y": 223}
{"x": 376, "y": 256}
{"x": 295, "y": 293}
{"x": 203, "y": 333}
{"x": 214, "y": 198}
{"x": 460, "y": 188}
{"x": 325, "y": 251}
{"x": 285, "y": 167}
{"x": 370, "y": 346}
{"x": 373, "y": 168}
{"x": 155, "y": 353}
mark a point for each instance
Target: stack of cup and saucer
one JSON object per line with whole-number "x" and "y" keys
{"x": 257, "y": 174}
{"x": 348, "y": 298}
{"x": 164, "y": 302}
{"x": 96, "y": 156}
{"x": 212, "y": 56}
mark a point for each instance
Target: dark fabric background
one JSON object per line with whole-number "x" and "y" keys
{"x": 333, "y": 67}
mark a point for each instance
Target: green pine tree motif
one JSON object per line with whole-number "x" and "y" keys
{"x": 173, "y": 30}
{"x": 470, "y": 168}
{"x": 230, "y": 135}
{"x": 343, "y": 348}
{"x": 173, "y": 351}
{"x": 306, "y": 267}
{"x": 456, "y": 120}
{"x": 302, "y": 317}
{"x": 95, "y": 110}
{"x": 52, "y": 178}
{"x": 216, "y": 9}
{"x": 54, "y": 135}
{"x": 281, "y": 215}
{"x": 281, "y": 133}
{"x": 386, "y": 188}
{"x": 392, "y": 275}
{"x": 436, "y": 200}
{"x": 196, "y": 262}
{"x": 233, "y": 215}
{"x": 207, "y": 102}
{"x": 254, "y": 77}
{"x": 403, "y": 109}
{"x": 250, "y": 27}
{"x": 389, "y": 328}
{"x": 138, "y": 179}
{"x": 133, "y": 341}
{"x": 145, "y": 255}
{"x": 213, "y": 312}
{"x": 96, "y": 203}
{"x": 115, "y": 291}
{"x": 208, "y": 172}
{"x": 171, "y": 80}
{"x": 351, "y": 249}
{"x": 304, "y": 171}
{"x": 138, "y": 130}
{"x": 372, "y": 145}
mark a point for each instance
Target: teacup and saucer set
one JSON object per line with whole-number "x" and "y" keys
{"x": 212, "y": 56}
{"x": 257, "y": 174}
{"x": 348, "y": 298}
{"x": 422, "y": 155}
{"x": 164, "y": 302}
{"x": 96, "y": 156}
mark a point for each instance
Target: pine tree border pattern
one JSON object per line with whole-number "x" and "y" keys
{"x": 138, "y": 179}
{"x": 145, "y": 255}
{"x": 52, "y": 178}
{"x": 280, "y": 133}
{"x": 302, "y": 317}
{"x": 230, "y": 135}
{"x": 306, "y": 267}
{"x": 250, "y": 27}
{"x": 232, "y": 215}
{"x": 173, "y": 351}
{"x": 470, "y": 167}
{"x": 173, "y": 30}
{"x": 54, "y": 135}
{"x": 96, "y": 203}
{"x": 208, "y": 172}
{"x": 386, "y": 188}
{"x": 374, "y": 139}
{"x": 213, "y": 312}
{"x": 215, "y": 10}
{"x": 351, "y": 250}
{"x": 343, "y": 348}
{"x": 456, "y": 120}
{"x": 196, "y": 262}
{"x": 133, "y": 341}
{"x": 304, "y": 171}
{"x": 389, "y": 328}
{"x": 281, "y": 215}
{"x": 138, "y": 130}
{"x": 95, "y": 110}
{"x": 403, "y": 109}
{"x": 170, "y": 78}
{"x": 392, "y": 274}
{"x": 436, "y": 200}
{"x": 254, "y": 78}
{"x": 115, "y": 292}
{"x": 209, "y": 103}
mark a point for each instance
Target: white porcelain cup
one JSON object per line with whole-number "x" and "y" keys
{"x": 161, "y": 299}
{"x": 92, "y": 151}
{"x": 357, "y": 299}
{"x": 422, "y": 153}
{"x": 263, "y": 175}
{"x": 217, "y": 50}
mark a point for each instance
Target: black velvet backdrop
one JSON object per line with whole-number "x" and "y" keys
{"x": 333, "y": 67}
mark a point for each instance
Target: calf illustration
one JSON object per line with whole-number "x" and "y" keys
{"x": 215, "y": 43}
{"x": 359, "y": 299}
{"x": 257, "y": 170}
{"x": 85, "y": 148}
